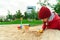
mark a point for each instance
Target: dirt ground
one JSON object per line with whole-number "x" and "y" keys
{"x": 10, "y": 32}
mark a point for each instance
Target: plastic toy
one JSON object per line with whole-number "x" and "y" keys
{"x": 40, "y": 31}
{"x": 23, "y": 26}
{"x": 26, "y": 27}
{"x": 20, "y": 27}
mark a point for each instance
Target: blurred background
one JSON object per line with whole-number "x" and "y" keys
{"x": 12, "y": 10}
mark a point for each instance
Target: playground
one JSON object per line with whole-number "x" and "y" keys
{"x": 11, "y": 32}
{"x": 29, "y": 19}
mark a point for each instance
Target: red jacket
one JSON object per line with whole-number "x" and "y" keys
{"x": 54, "y": 24}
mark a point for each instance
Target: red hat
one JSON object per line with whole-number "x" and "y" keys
{"x": 44, "y": 12}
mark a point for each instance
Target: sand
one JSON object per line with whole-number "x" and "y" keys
{"x": 10, "y": 32}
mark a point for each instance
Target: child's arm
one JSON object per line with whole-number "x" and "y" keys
{"x": 43, "y": 28}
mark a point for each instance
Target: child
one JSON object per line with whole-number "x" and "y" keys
{"x": 51, "y": 20}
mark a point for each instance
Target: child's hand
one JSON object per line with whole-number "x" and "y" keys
{"x": 40, "y": 31}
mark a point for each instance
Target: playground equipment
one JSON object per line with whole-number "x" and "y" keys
{"x": 23, "y": 26}
{"x": 20, "y": 27}
{"x": 26, "y": 26}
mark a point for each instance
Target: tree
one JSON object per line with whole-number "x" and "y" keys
{"x": 42, "y": 3}
{"x": 57, "y": 8}
{"x": 1, "y": 20}
{"x": 18, "y": 14}
{"x": 45, "y": 3}
{"x": 26, "y": 15}
{"x": 14, "y": 16}
{"x": 9, "y": 16}
{"x": 58, "y": 0}
{"x": 33, "y": 14}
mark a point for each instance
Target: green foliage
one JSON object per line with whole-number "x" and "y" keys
{"x": 32, "y": 15}
{"x": 45, "y": 3}
{"x": 57, "y": 8}
{"x": 17, "y": 21}
{"x": 26, "y": 15}
{"x": 9, "y": 16}
{"x": 1, "y": 20}
{"x": 58, "y": 0}
{"x": 18, "y": 14}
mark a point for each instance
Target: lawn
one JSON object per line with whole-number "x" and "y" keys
{"x": 32, "y": 23}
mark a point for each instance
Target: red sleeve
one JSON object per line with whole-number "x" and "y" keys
{"x": 44, "y": 26}
{"x": 58, "y": 25}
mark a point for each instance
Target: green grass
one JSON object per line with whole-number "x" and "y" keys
{"x": 32, "y": 23}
